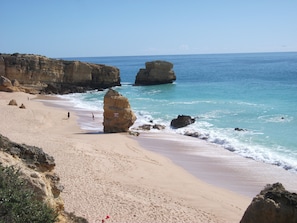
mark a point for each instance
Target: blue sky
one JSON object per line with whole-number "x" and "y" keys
{"x": 78, "y": 28}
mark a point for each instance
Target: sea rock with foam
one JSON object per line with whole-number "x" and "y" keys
{"x": 156, "y": 72}
{"x": 182, "y": 121}
{"x": 118, "y": 115}
{"x": 273, "y": 204}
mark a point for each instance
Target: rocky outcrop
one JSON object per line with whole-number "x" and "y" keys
{"x": 67, "y": 76}
{"x": 274, "y": 204}
{"x": 36, "y": 167}
{"x": 148, "y": 127}
{"x": 155, "y": 72}
{"x": 118, "y": 116}
{"x": 182, "y": 121}
{"x": 8, "y": 85}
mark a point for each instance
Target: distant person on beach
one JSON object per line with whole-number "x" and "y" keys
{"x": 68, "y": 114}
{"x": 93, "y": 116}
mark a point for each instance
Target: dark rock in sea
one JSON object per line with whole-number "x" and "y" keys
{"x": 274, "y": 204}
{"x": 182, "y": 121}
{"x": 155, "y": 72}
{"x": 146, "y": 127}
{"x": 192, "y": 134}
{"x": 239, "y": 129}
{"x": 60, "y": 76}
{"x": 158, "y": 126}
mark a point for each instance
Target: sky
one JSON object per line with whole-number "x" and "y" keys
{"x": 89, "y": 28}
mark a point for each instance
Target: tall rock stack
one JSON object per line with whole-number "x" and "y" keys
{"x": 118, "y": 116}
{"x": 156, "y": 72}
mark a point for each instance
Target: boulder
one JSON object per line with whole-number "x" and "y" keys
{"x": 192, "y": 134}
{"x": 13, "y": 102}
{"x": 13, "y": 86}
{"x": 148, "y": 127}
{"x": 5, "y": 84}
{"x": 239, "y": 129}
{"x": 182, "y": 121}
{"x": 37, "y": 72}
{"x": 274, "y": 204}
{"x": 118, "y": 116}
{"x": 22, "y": 106}
{"x": 155, "y": 72}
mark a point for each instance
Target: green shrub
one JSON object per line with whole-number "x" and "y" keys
{"x": 17, "y": 202}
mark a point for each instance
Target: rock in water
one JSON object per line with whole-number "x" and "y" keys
{"x": 155, "y": 72}
{"x": 182, "y": 121}
{"x": 118, "y": 116}
{"x": 273, "y": 204}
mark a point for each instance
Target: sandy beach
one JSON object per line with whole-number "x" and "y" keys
{"x": 138, "y": 179}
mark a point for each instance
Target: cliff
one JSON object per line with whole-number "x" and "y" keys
{"x": 57, "y": 76}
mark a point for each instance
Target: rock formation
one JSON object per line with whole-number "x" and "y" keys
{"x": 274, "y": 204}
{"x": 155, "y": 72}
{"x": 118, "y": 116}
{"x": 148, "y": 127}
{"x": 13, "y": 102}
{"x": 5, "y": 84}
{"x": 38, "y": 72}
{"x": 37, "y": 169}
{"x": 182, "y": 121}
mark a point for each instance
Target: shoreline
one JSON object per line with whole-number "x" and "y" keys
{"x": 119, "y": 175}
{"x": 218, "y": 166}
{"x": 208, "y": 162}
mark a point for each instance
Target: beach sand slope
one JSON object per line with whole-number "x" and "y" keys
{"x": 112, "y": 175}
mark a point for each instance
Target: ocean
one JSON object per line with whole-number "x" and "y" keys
{"x": 256, "y": 92}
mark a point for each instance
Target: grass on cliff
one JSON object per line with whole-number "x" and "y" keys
{"x": 17, "y": 202}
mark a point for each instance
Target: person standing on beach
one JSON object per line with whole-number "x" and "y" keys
{"x": 93, "y": 116}
{"x": 68, "y": 114}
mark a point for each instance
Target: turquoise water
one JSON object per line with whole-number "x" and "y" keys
{"x": 255, "y": 92}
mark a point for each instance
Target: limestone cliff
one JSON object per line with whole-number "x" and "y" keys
{"x": 66, "y": 76}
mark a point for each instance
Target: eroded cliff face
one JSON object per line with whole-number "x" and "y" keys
{"x": 39, "y": 72}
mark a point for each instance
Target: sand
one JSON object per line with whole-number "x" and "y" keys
{"x": 122, "y": 177}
